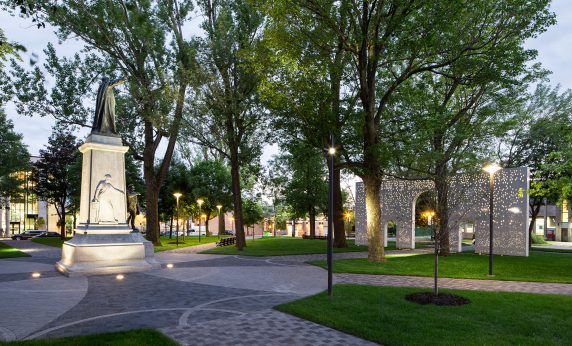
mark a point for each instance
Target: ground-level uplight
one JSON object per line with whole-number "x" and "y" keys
{"x": 120, "y": 277}
{"x": 36, "y": 275}
{"x": 170, "y": 265}
{"x": 491, "y": 169}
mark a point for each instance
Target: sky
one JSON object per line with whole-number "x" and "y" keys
{"x": 553, "y": 52}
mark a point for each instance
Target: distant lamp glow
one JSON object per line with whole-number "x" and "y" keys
{"x": 429, "y": 215}
{"x": 36, "y": 275}
{"x": 332, "y": 151}
{"x": 203, "y": 216}
{"x": 170, "y": 265}
{"x": 177, "y": 195}
{"x": 491, "y": 168}
{"x": 120, "y": 277}
{"x": 219, "y": 207}
{"x": 200, "y": 201}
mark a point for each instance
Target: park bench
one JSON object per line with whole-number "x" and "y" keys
{"x": 226, "y": 241}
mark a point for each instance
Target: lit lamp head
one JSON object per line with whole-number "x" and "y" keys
{"x": 200, "y": 202}
{"x": 492, "y": 168}
{"x": 203, "y": 216}
{"x": 177, "y": 195}
{"x": 332, "y": 151}
{"x": 219, "y": 207}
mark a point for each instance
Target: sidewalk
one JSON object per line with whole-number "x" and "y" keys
{"x": 461, "y": 284}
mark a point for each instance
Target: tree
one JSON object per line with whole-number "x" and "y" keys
{"x": 144, "y": 42}
{"x": 227, "y": 116}
{"x": 52, "y": 172}
{"x": 542, "y": 142}
{"x": 304, "y": 90}
{"x": 211, "y": 181}
{"x": 389, "y": 43}
{"x": 306, "y": 190}
{"x": 14, "y": 157}
{"x": 252, "y": 213}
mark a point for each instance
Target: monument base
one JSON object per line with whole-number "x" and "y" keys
{"x": 93, "y": 254}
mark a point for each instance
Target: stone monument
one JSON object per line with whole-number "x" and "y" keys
{"x": 103, "y": 242}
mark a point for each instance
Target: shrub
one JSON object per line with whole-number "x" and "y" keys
{"x": 538, "y": 239}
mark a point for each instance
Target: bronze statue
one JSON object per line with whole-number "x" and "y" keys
{"x": 104, "y": 120}
{"x": 132, "y": 206}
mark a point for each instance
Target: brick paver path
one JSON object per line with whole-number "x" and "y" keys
{"x": 461, "y": 284}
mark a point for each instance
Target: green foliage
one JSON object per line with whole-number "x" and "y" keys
{"x": 14, "y": 157}
{"x": 538, "y": 239}
{"x": 538, "y": 267}
{"x": 252, "y": 212}
{"x": 210, "y": 180}
{"x": 6, "y": 251}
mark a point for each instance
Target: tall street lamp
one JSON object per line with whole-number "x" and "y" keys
{"x": 491, "y": 169}
{"x": 177, "y": 196}
{"x": 219, "y": 207}
{"x": 331, "y": 153}
{"x": 200, "y": 202}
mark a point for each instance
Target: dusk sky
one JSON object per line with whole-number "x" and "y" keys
{"x": 553, "y": 52}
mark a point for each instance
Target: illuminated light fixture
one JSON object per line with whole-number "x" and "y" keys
{"x": 177, "y": 195}
{"x": 120, "y": 277}
{"x": 204, "y": 216}
{"x": 219, "y": 207}
{"x": 200, "y": 201}
{"x": 170, "y": 265}
{"x": 36, "y": 275}
{"x": 332, "y": 151}
{"x": 491, "y": 168}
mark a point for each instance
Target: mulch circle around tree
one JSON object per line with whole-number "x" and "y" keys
{"x": 443, "y": 299}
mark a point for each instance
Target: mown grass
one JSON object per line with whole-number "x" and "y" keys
{"x": 7, "y": 251}
{"x": 138, "y": 337}
{"x": 539, "y": 266}
{"x": 171, "y": 244}
{"x": 50, "y": 241}
{"x": 381, "y": 314}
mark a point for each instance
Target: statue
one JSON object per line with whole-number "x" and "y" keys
{"x": 104, "y": 120}
{"x": 103, "y": 201}
{"x": 132, "y": 206}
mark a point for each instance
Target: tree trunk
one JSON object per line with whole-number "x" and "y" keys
{"x": 237, "y": 199}
{"x": 339, "y": 226}
{"x": 372, "y": 187}
{"x": 221, "y": 224}
{"x": 63, "y": 224}
{"x": 442, "y": 188}
{"x": 207, "y": 218}
{"x": 312, "y": 214}
{"x": 152, "y": 214}
{"x": 535, "y": 209}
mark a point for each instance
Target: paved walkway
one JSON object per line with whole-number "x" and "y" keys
{"x": 202, "y": 300}
{"x": 461, "y": 284}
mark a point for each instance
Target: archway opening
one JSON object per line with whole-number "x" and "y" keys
{"x": 423, "y": 224}
{"x": 390, "y": 230}
{"x": 467, "y": 236}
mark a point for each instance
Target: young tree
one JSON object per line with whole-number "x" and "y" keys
{"x": 252, "y": 213}
{"x": 52, "y": 172}
{"x": 226, "y": 115}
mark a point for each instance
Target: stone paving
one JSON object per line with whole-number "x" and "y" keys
{"x": 202, "y": 300}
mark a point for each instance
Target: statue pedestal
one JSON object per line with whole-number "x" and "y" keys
{"x": 104, "y": 243}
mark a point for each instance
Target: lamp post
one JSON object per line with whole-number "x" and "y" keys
{"x": 331, "y": 153}
{"x": 200, "y": 202}
{"x": 219, "y": 207}
{"x": 491, "y": 169}
{"x": 429, "y": 215}
{"x": 177, "y": 196}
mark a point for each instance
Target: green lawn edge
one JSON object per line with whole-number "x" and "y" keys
{"x": 138, "y": 337}
{"x": 382, "y": 315}
{"x": 282, "y": 246}
{"x": 7, "y": 251}
{"x": 538, "y": 267}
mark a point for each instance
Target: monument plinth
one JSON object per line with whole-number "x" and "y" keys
{"x": 104, "y": 243}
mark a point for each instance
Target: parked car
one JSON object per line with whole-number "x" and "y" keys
{"x": 27, "y": 235}
{"x": 49, "y": 234}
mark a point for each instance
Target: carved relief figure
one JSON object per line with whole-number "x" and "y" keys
{"x": 104, "y": 200}
{"x": 104, "y": 120}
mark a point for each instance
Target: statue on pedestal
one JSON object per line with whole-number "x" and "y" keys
{"x": 104, "y": 120}
{"x": 104, "y": 200}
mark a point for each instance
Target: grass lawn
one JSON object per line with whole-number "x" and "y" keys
{"x": 420, "y": 244}
{"x": 381, "y": 314}
{"x": 171, "y": 244}
{"x": 6, "y": 251}
{"x": 540, "y": 266}
{"x": 50, "y": 241}
{"x": 542, "y": 249}
{"x": 138, "y": 337}
{"x": 281, "y": 246}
